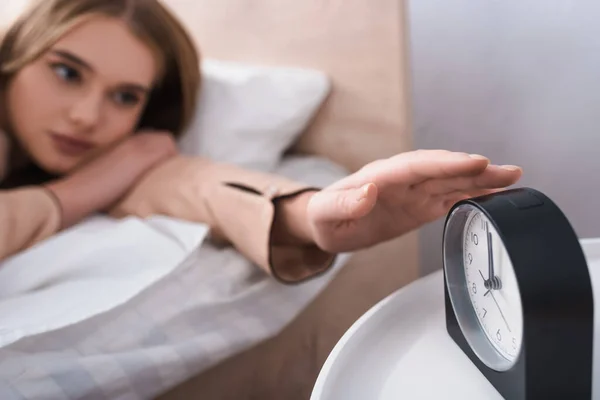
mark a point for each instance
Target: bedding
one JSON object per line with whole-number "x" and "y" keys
{"x": 97, "y": 263}
{"x": 198, "y": 305}
{"x": 250, "y": 114}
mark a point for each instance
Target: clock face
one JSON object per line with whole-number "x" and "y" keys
{"x": 492, "y": 286}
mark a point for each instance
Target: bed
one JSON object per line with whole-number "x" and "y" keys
{"x": 364, "y": 116}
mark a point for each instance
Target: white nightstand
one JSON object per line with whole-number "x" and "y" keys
{"x": 400, "y": 349}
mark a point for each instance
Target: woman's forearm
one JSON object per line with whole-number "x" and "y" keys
{"x": 81, "y": 195}
{"x": 102, "y": 182}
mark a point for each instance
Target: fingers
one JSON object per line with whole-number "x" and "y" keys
{"x": 421, "y": 166}
{"x": 492, "y": 177}
{"x": 432, "y": 172}
{"x": 498, "y": 176}
{"x": 342, "y": 205}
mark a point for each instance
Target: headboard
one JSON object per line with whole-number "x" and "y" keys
{"x": 360, "y": 44}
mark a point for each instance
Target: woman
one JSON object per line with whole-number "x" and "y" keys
{"x": 93, "y": 94}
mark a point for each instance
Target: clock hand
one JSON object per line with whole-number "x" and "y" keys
{"x": 489, "y": 247}
{"x": 480, "y": 273}
{"x": 499, "y": 309}
{"x": 493, "y": 282}
{"x": 484, "y": 283}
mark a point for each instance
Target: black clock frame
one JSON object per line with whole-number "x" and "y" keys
{"x": 556, "y": 356}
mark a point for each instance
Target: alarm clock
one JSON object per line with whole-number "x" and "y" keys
{"x": 518, "y": 295}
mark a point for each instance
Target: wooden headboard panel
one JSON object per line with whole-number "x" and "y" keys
{"x": 360, "y": 44}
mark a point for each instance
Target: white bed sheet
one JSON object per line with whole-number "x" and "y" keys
{"x": 129, "y": 321}
{"x": 91, "y": 268}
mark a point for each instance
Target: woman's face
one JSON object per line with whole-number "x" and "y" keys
{"x": 85, "y": 94}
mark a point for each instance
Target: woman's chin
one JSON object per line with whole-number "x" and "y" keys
{"x": 57, "y": 165}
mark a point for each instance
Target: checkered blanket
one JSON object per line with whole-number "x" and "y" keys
{"x": 211, "y": 306}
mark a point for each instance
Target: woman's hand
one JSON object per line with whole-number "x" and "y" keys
{"x": 390, "y": 197}
{"x": 104, "y": 180}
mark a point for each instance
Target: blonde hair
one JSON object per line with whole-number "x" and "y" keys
{"x": 173, "y": 99}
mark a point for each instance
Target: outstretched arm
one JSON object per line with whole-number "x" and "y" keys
{"x": 292, "y": 230}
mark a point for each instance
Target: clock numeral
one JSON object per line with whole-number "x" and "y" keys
{"x": 474, "y": 288}
{"x": 499, "y": 336}
{"x": 484, "y": 313}
{"x": 474, "y": 238}
{"x": 482, "y": 224}
{"x": 470, "y": 257}
{"x": 514, "y": 343}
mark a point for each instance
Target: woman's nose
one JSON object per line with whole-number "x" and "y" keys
{"x": 85, "y": 111}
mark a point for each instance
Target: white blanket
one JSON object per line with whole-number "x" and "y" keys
{"x": 94, "y": 267}
{"x": 126, "y": 309}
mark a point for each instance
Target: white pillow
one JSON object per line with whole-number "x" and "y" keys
{"x": 250, "y": 115}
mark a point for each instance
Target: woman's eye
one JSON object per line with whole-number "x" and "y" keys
{"x": 126, "y": 98}
{"x": 66, "y": 73}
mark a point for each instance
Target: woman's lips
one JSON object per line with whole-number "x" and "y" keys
{"x": 69, "y": 146}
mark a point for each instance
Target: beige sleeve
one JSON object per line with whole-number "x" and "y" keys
{"x": 27, "y": 216}
{"x": 238, "y": 205}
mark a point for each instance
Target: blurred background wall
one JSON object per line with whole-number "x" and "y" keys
{"x": 518, "y": 81}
